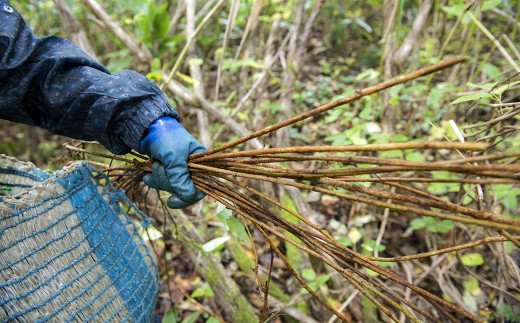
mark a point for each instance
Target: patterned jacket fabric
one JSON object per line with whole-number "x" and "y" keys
{"x": 51, "y": 83}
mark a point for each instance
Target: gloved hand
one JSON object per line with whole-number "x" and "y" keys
{"x": 170, "y": 144}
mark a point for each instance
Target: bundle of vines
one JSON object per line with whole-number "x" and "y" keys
{"x": 354, "y": 177}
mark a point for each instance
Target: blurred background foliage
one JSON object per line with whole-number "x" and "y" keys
{"x": 350, "y": 45}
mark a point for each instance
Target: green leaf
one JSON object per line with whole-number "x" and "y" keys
{"x": 491, "y": 70}
{"x": 371, "y": 273}
{"x": 171, "y": 316}
{"x": 315, "y": 285}
{"x": 344, "y": 241}
{"x": 192, "y": 318}
{"x": 415, "y": 156}
{"x": 338, "y": 139}
{"x": 391, "y": 154}
{"x": 455, "y": 10}
{"x": 370, "y": 245}
{"x": 487, "y": 86}
{"x": 222, "y": 212}
{"x": 508, "y": 195}
{"x": 472, "y": 259}
{"x": 490, "y": 4}
{"x": 204, "y": 290}
{"x": 400, "y": 138}
{"x": 215, "y": 244}
{"x": 417, "y": 223}
{"x": 444, "y": 226}
{"x": 211, "y": 319}
{"x": 501, "y": 89}
{"x": 322, "y": 280}
{"x": 472, "y": 97}
{"x": 471, "y": 285}
{"x": 309, "y": 274}
{"x": 238, "y": 230}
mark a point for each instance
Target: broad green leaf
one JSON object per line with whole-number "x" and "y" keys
{"x": 171, "y": 316}
{"x": 507, "y": 193}
{"x": 222, "y": 212}
{"x": 309, "y": 274}
{"x": 490, "y": 4}
{"x": 315, "y": 285}
{"x": 192, "y": 318}
{"x": 211, "y": 319}
{"x": 237, "y": 228}
{"x": 344, "y": 241}
{"x": 444, "y": 226}
{"x": 487, "y": 86}
{"x": 415, "y": 156}
{"x": 501, "y": 89}
{"x": 492, "y": 70}
{"x": 215, "y": 244}
{"x": 322, "y": 280}
{"x": 371, "y": 273}
{"x": 455, "y": 10}
{"x": 400, "y": 138}
{"x": 472, "y": 97}
{"x": 472, "y": 259}
{"x": 417, "y": 223}
{"x": 471, "y": 285}
{"x": 391, "y": 154}
{"x": 204, "y": 290}
{"x": 370, "y": 245}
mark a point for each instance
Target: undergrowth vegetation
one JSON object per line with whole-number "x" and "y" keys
{"x": 252, "y": 64}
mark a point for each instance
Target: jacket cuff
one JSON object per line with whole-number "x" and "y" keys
{"x": 135, "y": 120}
{"x": 122, "y": 107}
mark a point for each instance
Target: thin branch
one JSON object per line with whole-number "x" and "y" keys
{"x": 357, "y": 95}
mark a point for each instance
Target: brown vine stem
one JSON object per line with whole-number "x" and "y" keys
{"x": 198, "y": 158}
{"x": 322, "y": 177}
{"x": 360, "y": 259}
{"x": 274, "y": 158}
{"x": 396, "y": 207}
{"x": 357, "y": 95}
{"x": 251, "y": 210}
{"x": 444, "y": 250}
{"x": 445, "y": 205}
{"x": 498, "y": 171}
{"x": 202, "y": 186}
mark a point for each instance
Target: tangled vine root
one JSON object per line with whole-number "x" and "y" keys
{"x": 225, "y": 176}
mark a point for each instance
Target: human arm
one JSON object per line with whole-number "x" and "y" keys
{"x": 49, "y": 82}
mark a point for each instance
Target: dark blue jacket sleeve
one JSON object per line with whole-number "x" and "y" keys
{"x": 51, "y": 83}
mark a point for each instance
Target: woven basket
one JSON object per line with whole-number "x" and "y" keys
{"x": 68, "y": 252}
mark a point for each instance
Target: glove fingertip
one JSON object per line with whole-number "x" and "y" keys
{"x": 175, "y": 203}
{"x": 199, "y": 195}
{"x": 149, "y": 181}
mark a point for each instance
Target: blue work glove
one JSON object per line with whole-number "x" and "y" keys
{"x": 170, "y": 144}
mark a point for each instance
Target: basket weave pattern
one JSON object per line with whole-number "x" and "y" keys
{"x": 68, "y": 250}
